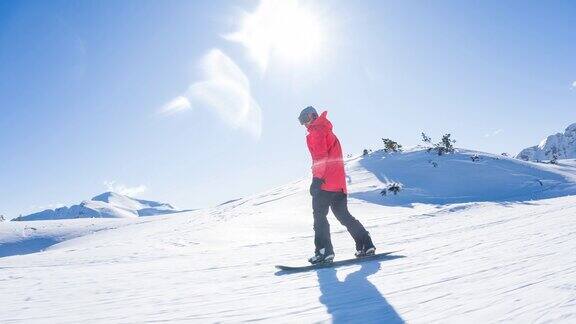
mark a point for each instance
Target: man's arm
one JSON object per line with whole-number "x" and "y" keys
{"x": 319, "y": 151}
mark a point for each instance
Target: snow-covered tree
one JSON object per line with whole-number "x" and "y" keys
{"x": 554, "y": 159}
{"x": 394, "y": 187}
{"x": 426, "y": 138}
{"x": 391, "y": 146}
{"x": 446, "y": 145}
{"x": 555, "y": 152}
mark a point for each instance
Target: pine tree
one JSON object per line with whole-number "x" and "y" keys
{"x": 391, "y": 146}
{"x": 554, "y": 159}
{"x": 426, "y": 138}
{"x": 445, "y": 146}
{"x": 394, "y": 188}
{"x": 554, "y": 152}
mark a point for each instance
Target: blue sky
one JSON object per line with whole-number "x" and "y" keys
{"x": 190, "y": 102}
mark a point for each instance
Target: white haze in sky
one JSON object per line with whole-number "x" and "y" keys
{"x": 175, "y": 105}
{"x": 125, "y": 190}
{"x": 226, "y": 89}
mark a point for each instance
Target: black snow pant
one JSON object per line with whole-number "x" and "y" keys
{"x": 338, "y": 202}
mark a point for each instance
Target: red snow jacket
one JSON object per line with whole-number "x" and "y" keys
{"x": 327, "y": 162}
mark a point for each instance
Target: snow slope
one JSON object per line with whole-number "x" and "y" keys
{"x": 106, "y": 205}
{"x": 429, "y": 178}
{"x": 561, "y": 145}
{"x": 465, "y": 259}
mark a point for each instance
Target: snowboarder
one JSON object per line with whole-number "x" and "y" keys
{"x": 328, "y": 188}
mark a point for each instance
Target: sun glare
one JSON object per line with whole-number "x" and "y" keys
{"x": 283, "y": 29}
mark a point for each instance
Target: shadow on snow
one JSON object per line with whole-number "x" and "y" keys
{"x": 356, "y": 299}
{"x": 29, "y": 246}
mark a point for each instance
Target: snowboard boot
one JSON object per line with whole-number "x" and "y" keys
{"x": 366, "y": 248}
{"x": 322, "y": 257}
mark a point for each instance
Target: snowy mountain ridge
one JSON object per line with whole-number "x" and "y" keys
{"x": 557, "y": 146}
{"x": 106, "y": 205}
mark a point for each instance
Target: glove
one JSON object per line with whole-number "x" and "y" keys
{"x": 315, "y": 186}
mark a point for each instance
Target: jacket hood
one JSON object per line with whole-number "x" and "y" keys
{"x": 321, "y": 123}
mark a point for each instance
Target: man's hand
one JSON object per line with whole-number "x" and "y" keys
{"x": 315, "y": 186}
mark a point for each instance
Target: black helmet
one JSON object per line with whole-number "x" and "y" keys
{"x": 303, "y": 118}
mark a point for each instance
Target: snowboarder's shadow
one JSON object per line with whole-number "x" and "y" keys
{"x": 356, "y": 299}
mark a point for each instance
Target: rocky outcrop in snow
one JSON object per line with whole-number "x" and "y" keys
{"x": 106, "y": 205}
{"x": 558, "y": 146}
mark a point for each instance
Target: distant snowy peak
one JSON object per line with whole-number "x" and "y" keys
{"x": 125, "y": 201}
{"x": 106, "y": 205}
{"x": 561, "y": 145}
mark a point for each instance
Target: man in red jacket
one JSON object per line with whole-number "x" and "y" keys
{"x": 328, "y": 188}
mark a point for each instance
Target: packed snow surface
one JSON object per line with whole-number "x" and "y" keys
{"x": 476, "y": 242}
{"x": 106, "y": 205}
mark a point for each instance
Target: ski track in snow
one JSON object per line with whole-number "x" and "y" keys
{"x": 475, "y": 262}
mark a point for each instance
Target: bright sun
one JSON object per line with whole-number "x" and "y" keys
{"x": 281, "y": 28}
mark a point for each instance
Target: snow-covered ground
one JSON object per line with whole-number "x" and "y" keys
{"x": 487, "y": 241}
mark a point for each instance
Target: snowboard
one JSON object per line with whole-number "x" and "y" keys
{"x": 339, "y": 263}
